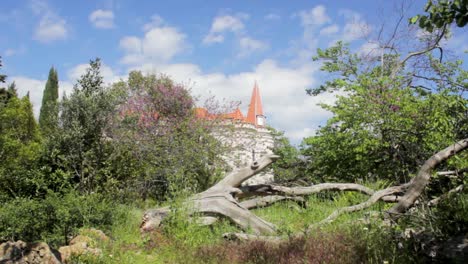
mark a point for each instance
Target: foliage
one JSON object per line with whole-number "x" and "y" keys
{"x": 2, "y": 76}
{"x": 80, "y": 146}
{"x": 442, "y": 13}
{"x": 289, "y": 165}
{"x": 382, "y": 125}
{"x": 20, "y": 145}
{"x": 173, "y": 149}
{"x": 56, "y": 218}
{"x": 48, "y": 117}
{"x": 182, "y": 241}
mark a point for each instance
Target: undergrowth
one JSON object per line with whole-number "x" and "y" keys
{"x": 347, "y": 240}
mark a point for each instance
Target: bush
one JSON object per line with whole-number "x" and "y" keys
{"x": 56, "y": 218}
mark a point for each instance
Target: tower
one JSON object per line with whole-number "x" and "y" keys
{"x": 255, "y": 114}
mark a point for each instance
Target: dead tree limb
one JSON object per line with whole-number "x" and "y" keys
{"x": 421, "y": 180}
{"x": 436, "y": 201}
{"x": 218, "y": 201}
{"x": 223, "y": 200}
{"x": 358, "y": 207}
{"x": 269, "y": 200}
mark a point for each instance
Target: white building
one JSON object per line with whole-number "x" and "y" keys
{"x": 249, "y": 138}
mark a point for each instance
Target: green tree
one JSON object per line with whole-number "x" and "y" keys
{"x": 173, "y": 149}
{"x": 289, "y": 166}
{"x": 20, "y": 146}
{"x": 389, "y": 118}
{"x": 81, "y": 146}
{"x": 442, "y": 13}
{"x": 2, "y": 76}
{"x": 48, "y": 116}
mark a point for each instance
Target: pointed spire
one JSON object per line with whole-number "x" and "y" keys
{"x": 255, "y": 114}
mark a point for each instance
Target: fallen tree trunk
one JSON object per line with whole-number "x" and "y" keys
{"x": 218, "y": 201}
{"x": 224, "y": 199}
{"x": 417, "y": 185}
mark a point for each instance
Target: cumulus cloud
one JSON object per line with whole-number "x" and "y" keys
{"x": 355, "y": 26}
{"x": 159, "y": 44}
{"x": 156, "y": 21}
{"x": 369, "y": 50}
{"x": 285, "y": 102}
{"x": 223, "y": 24}
{"x": 103, "y": 19}
{"x": 314, "y": 16}
{"x": 330, "y": 30}
{"x": 249, "y": 45}
{"x": 51, "y": 26}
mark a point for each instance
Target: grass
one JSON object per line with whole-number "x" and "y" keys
{"x": 181, "y": 241}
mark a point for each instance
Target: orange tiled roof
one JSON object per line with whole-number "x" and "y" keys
{"x": 236, "y": 115}
{"x": 255, "y": 109}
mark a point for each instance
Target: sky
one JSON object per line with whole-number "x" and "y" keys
{"x": 217, "y": 48}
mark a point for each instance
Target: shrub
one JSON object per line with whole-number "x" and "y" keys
{"x": 56, "y": 218}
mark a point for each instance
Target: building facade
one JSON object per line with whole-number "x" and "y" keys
{"x": 248, "y": 138}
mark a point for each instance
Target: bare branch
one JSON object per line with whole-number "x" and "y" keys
{"x": 418, "y": 183}
{"x": 436, "y": 201}
{"x": 236, "y": 178}
{"x": 372, "y": 200}
{"x": 269, "y": 200}
{"x": 268, "y": 189}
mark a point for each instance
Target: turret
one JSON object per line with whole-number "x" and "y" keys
{"x": 255, "y": 114}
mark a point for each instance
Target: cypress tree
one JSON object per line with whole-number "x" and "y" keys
{"x": 49, "y": 110}
{"x": 2, "y": 76}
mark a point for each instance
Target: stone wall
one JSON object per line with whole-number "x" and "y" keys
{"x": 246, "y": 143}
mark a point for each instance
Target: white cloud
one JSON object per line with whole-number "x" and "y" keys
{"x": 213, "y": 38}
{"x": 355, "y": 26}
{"x": 311, "y": 21}
{"x": 249, "y": 45}
{"x": 285, "y": 102}
{"x": 226, "y": 23}
{"x": 16, "y": 51}
{"x": 51, "y": 26}
{"x": 103, "y": 19}
{"x": 330, "y": 30}
{"x": 51, "y": 29}
{"x": 159, "y": 44}
{"x": 163, "y": 43}
{"x": 223, "y": 24}
{"x": 156, "y": 21}
{"x": 315, "y": 16}
{"x": 369, "y": 50}
{"x": 131, "y": 44}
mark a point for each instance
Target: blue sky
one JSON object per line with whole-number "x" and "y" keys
{"x": 215, "y": 47}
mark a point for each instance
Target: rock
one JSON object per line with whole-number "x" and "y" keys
{"x": 83, "y": 244}
{"x": 77, "y": 249}
{"x": 93, "y": 233}
{"x": 20, "y": 252}
{"x": 27, "y": 253}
